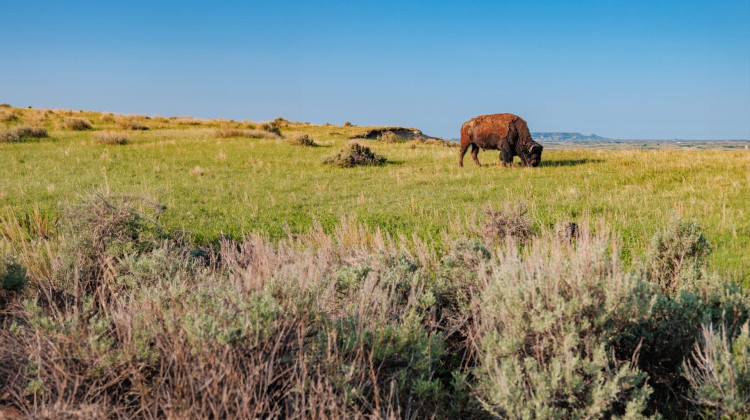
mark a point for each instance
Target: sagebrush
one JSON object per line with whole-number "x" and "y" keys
{"x": 124, "y": 319}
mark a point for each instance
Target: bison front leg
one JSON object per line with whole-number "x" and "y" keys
{"x": 475, "y": 154}
{"x": 506, "y": 156}
{"x": 464, "y": 148}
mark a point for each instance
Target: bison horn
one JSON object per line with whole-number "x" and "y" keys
{"x": 531, "y": 149}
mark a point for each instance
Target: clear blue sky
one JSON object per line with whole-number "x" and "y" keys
{"x": 626, "y": 69}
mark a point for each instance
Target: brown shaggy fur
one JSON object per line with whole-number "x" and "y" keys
{"x": 505, "y": 132}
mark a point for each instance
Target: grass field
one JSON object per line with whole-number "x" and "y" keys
{"x": 267, "y": 284}
{"x": 215, "y": 186}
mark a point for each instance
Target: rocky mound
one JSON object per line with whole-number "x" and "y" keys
{"x": 400, "y": 133}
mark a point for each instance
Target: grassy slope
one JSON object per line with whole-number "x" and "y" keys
{"x": 265, "y": 185}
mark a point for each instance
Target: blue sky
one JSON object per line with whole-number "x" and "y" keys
{"x": 650, "y": 69}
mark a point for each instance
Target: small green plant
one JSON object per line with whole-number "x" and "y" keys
{"x": 13, "y": 276}
{"x": 355, "y": 154}
{"x": 77, "y": 123}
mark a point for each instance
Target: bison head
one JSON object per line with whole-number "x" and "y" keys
{"x": 534, "y": 154}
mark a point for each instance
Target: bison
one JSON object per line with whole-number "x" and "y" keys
{"x": 505, "y": 132}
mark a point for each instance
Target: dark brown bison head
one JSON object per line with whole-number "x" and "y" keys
{"x": 534, "y": 155}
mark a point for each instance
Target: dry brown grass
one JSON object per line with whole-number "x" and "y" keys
{"x": 8, "y": 116}
{"x": 248, "y": 133}
{"x": 509, "y": 221}
{"x": 77, "y": 123}
{"x": 131, "y": 123}
{"x": 112, "y": 137}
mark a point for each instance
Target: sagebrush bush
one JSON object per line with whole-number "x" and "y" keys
{"x": 677, "y": 255}
{"x": 354, "y": 154}
{"x": 248, "y": 133}
{"x": 302, "y": 140}
{"x": 100, "y": 231}
{"x": 21, "y": 133}
{"x": 77, "y": 123}
{"x": 112, "y": 137}
{"x": 546, "y": 320}
{"x": 719, "y": 373}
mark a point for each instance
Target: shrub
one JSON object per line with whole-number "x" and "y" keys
{"x": 354, "y": 154}
{"x": 112, "y": 137}
{"x": 108, "y": 117}
{"x": 719, "y": 373}
{"x": 677, "y": 255}
{"x": 12, "y": 275}
{"x": 347, "y": 124}
{"x": 22, "y": 133}
{"x": 251, "y": 134}
{"x": 302, "y": 140}
{"x": 98, "y": 232}
{"x": 77, "y": 123}
{"x": 131, "y": 124}
{"x": 546, "y": 320}
{"x": 271, "y": 128}
{"x": 511, "y": 221}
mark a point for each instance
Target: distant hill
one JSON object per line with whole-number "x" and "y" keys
{"x": 559, "y": 136}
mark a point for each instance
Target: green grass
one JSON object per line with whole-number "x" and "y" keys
{"x": 268, "y": 185}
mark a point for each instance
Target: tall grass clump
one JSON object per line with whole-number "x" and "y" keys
{"x": 21, "y": 133}
{"x": 112, "y": 137}
{"x": 355, "y": 154}
{"x": 302, "y": 140}
{"x": 77, "y": 123}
